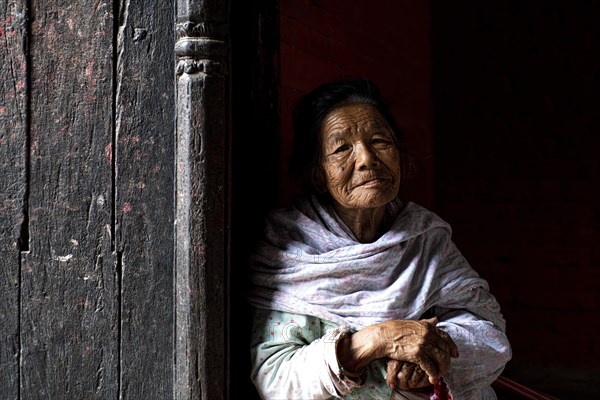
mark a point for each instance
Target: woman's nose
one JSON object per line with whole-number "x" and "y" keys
{"x": 365, "y": 158}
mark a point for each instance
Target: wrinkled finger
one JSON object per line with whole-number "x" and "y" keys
{"x": 404, "y": 377}
{"x": 411, "y": 375}
{"x": 447, "y": 344}
{"x": 441, "y": 345}
{"x": 452, "y": 348}
{"x": 422, "y": 380}
{"x": 440, "y": 357}
{"x": 393, "y": 368}
{"x": 420, "y": 376}
{"x": 430, "y": 367}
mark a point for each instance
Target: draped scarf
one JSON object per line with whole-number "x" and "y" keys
{"x": 311, "y": 263}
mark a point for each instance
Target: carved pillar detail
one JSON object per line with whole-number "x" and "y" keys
{"x": 202, "y": 205}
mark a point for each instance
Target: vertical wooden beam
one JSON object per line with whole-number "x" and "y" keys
{"x": 144, "y": 202}
{"x": 202, "y": 203}
{"x": 13, "y": 185}
{"x": 69, "y": 283}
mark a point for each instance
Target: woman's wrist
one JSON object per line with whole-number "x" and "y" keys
{"x": 357, "y": 350}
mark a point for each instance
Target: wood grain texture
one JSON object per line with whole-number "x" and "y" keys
{"x": 200, "y": 290}
{"x": 201, "y": 350}
{"x": 13, "y": 144}
{"x": 144, "y": 191}
{"x": 69, "y": 294}
{"x": 87, "y": 211}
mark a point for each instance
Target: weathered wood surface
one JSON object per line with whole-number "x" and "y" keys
{"x": 70, "y": 278}
{"x": 87, "y": 237}
{"x": 201, "y": 350}
{"x": 13, "y": 143}
{"x": 144, "y": 152}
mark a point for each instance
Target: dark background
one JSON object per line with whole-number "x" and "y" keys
{"x": 517, "y": 140}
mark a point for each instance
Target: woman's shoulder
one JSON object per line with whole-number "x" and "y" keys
{"x": 413, "y": 207}
{"x": 418, "y": 219}
{"x": 305, "y": 212}
{"x": 297, "y": 205}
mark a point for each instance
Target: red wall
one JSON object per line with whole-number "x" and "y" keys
{"x": 323, "y": 40}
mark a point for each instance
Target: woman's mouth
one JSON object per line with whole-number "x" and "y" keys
{"x": 372, "y": 182}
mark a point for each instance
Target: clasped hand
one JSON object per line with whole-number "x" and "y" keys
{"x": 418, "y": 352}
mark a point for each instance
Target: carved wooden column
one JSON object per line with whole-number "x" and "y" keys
{"x": 201, "y": 370}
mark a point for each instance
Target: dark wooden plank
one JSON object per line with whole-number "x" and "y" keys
{"x": 69, "y": 295}
{"x": 144, "y": 192}
{"x": 201, "y": 352}
{"x": 13, "y": 133}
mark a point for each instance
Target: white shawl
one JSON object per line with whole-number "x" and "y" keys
{"x": 311, "y": 263}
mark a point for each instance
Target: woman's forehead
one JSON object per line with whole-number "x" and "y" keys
{"x": 345, "y": 119}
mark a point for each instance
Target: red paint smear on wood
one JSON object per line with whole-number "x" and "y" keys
{"x": 108, "y": 154}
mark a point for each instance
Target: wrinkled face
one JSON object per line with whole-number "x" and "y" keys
{"x": 360, "y": 160}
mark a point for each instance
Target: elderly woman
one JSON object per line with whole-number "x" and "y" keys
{"x": 356, "y": 294}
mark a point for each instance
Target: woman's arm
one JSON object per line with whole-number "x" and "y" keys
{"x": 471, "y": 315}
{"x": 484, "y": 351}
{"x": 294, "y": 357}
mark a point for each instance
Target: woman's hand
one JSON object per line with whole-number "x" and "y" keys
{"x": 406, "y": 376}
{"x": 420, "y": 343}
{"x": 417, "y": 342}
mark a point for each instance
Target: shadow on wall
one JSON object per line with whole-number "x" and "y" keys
{"x": 518, "y": 173}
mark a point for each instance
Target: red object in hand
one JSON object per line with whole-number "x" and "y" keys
{"x": 440, "y": 391}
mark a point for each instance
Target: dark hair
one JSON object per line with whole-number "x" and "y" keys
{"x": 308, "y": 116}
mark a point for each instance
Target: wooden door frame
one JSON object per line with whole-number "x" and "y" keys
{"x": 227, "y": 103}
{"x": 189, "y": 106}
{"x": 202, "y": 204}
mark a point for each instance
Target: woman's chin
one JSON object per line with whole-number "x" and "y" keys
{"x": 372, "y": 198}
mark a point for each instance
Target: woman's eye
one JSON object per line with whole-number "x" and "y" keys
{"x": 340, "y": 149}
{"x": 381, "y": 142}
